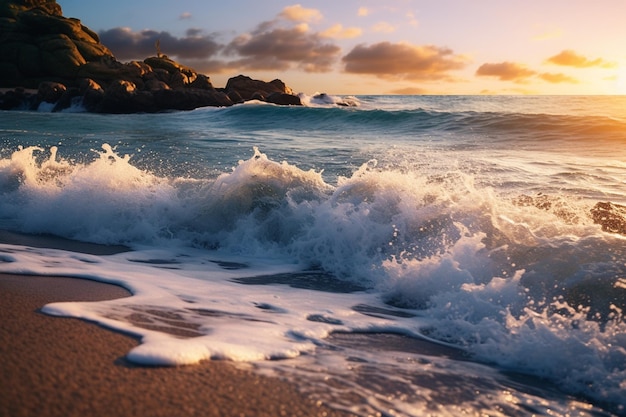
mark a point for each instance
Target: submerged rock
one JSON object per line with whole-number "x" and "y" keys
{"x": 611, "y": 216}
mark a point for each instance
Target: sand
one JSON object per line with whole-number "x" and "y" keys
{"x": 52, "y": 366}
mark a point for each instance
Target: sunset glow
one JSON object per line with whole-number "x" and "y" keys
{"x": 365, "y": 47}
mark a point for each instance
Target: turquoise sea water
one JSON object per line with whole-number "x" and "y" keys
{"x": 334, "y": 244}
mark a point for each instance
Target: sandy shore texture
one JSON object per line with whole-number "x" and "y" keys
{"x": 52, "y": 366}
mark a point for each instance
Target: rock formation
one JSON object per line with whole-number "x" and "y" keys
{"x": 66, "y": 63}
{"x": 38, "y": 44}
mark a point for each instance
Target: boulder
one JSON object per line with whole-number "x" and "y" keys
{"x": 17, "y": 99}
{"x": 122, "y": 96}
{"x": 50, "y": 91}
{"x": 284, "y": 99}
{"x": 66, "y": 100}
{"x": 235, "y": 97}
{"x": 155, "y": 85}
{"x": 60, "y": 57}
{"x": 202, "y": 82}
{"x": 38, "y": 44}
{"x": 12, "y": 8}
{"x": 92, "y": 94}
{"x": 246, "y": 87}
{"x": 183, "y": 74}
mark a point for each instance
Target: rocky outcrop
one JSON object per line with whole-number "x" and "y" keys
{"x": 38, "y": 44}
{"x": 250, "y": 89}
{"x": 67, "y": 64}
{"x": 242, "y": 88}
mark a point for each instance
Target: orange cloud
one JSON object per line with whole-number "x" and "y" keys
{"x": 506, "y": 71}
{"x": 412, "y": 19}
{"x": 363, "y": 11}
{"x": 570, "y": 58}
{"x": 383, "y": 27}
{"x": 297, "y": 13}
{"x": 403, "y": 61}
{"x": 339, "y": 32}
{"x": 557, "y": 78}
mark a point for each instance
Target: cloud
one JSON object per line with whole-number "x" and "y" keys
{"x": 127, "y": 44}
{"x": 557, "y": 78}
{"x": 403, "y": 61}
{"x": 271, "y": 47}
{"x": 570, "y": 58}
{"x": 363, "y": 11}
{"x": 383, "y": 27}
{"x": 185, "y": 15}
{"x": 412, "y": 19}
{"x": 297, "y": 13}
{"x": 339, "y": 32}
{"x": 506, "y": 71}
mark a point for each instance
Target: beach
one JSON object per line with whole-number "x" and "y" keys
{"x": 69, "y": 367}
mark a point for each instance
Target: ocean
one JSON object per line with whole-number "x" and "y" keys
{"x": 390, "y": 255}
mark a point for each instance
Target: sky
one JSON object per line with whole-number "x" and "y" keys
{"x": 378, "y": 47}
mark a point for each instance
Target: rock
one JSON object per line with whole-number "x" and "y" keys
{"x": 107, "y": 70}
{"x": 247, "y": 87}
{"x": 66, "y": 99}
{"x": 202, "y": 82}
{"x": 235, "y": 97}
{"x": 155, "y": 85}
{"x": 284, "y": 99}
{"x": 612, "y": 217}
{"x": 38, "y": 44}
{"x": 63, "y": 59}
{"x": 122, "y": 96}
{"x": 190, "y": 98}
{"x": 185, "y": 74}
{"x": 49, "y": 6}
{"x": 17, "y": 99}
{"x": 86, "y": 84}
{"x": 50, "y": 91}
{"x": 258, "y": 96}
{"x": 92, "y": 94}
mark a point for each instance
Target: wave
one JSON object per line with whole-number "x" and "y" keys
{"x": 489, "y": 127}
{"x": 375, "y": 217}
{"x": 520, "y": 285}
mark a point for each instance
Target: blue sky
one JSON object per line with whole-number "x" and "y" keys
{"x": 373, "y": 47}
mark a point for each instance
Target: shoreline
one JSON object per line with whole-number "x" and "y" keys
{"x": 71, "y": 367}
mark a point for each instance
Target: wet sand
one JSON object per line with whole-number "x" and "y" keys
{"x": 54, "y": 366}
